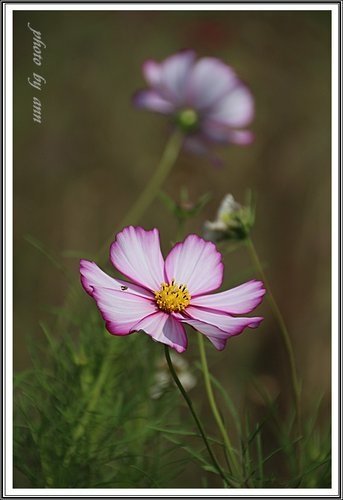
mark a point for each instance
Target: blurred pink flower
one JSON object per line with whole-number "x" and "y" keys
{"x": 205, "y": 99}
{"x": 165, "y": 295}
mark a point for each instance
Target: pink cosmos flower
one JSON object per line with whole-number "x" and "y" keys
{"x": 205, "y": 99}
{"x": 164, "y": 295}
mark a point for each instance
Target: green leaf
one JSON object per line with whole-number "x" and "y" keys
{"x": 209, "y": 468}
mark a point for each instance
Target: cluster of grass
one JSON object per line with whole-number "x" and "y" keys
{"x": 266, "y": 451}
{"x": 129, "y": 439}
{"x": 61, "y": 442}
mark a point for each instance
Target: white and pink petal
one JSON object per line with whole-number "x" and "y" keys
{"x": 164, "y": 328}
{"x": 136, "y": 253}
{"x": 239, "y": 300}
{"x": 218, "y": 327}
{"x": 217, "y": 336}
{"x": 233, "y": 325}
{"x": 121, "y": 310}
{"x": 92, "y": 276}
{"x": 195, "y": 263}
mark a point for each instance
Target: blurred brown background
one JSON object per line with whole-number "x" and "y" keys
{"x": 77, "y": 173}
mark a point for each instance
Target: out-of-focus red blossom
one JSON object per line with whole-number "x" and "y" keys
{"x": 208, "y": 35}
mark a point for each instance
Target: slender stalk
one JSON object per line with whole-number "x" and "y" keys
{"x": 152, "y": 188}
{"x": 141, "y": 204}
{"x": 133, "y": 215}
{"x": 194, "y": 415}
{"x": 231, "y": 457}
{"x": 210, "y": 395}
{"x": 286, "y": 340}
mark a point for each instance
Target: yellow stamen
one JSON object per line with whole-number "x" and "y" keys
{"x": 172, "y": 297}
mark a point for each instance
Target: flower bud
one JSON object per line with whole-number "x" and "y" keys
{"x": 163, "y": 379}
{"x": 233, "y": 221}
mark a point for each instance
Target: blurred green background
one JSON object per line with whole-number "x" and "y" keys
{"x": 77, "y": 173}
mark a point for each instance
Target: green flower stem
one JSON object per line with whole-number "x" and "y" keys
{"x": 231, "y": 456}
{"x": 133, "y": 215}
{"x": 197, "y": 421}
{"x": 287, "y": 342}
{"x": 152, "y": 188}
{"x": 136, "y": 211}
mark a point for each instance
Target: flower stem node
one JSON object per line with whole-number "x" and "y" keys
{"x": 173, "y": 297}
{"x": 187, "y": 120}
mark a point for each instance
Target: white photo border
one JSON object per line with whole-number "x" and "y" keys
{"x": 7, "y": 9}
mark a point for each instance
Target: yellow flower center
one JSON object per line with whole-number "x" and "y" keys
{"x": 172, "y": 297}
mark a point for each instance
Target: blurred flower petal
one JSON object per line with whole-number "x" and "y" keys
{"x": 241, "y": 137}
{"x": 236, "y": 109}
{"x": 223, "y": 134}
{"x": 175, "y": 73}
{"x": 152, "y": 72}
{"x": 209, "y": 82}
{"x": 204, "y": 98}
{"x": 150, "y": 99}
